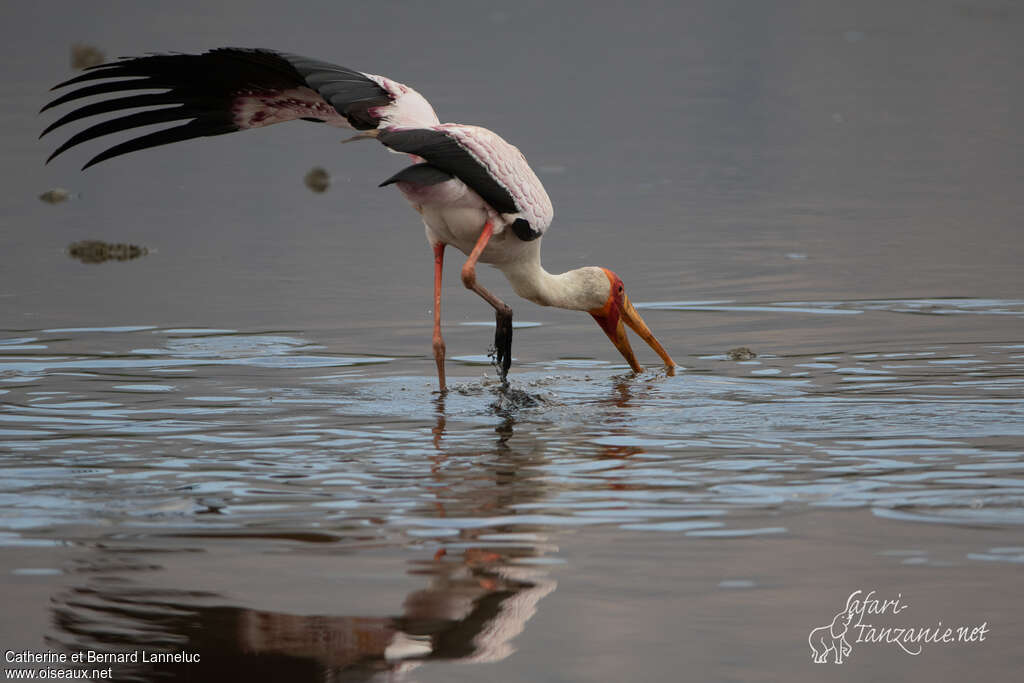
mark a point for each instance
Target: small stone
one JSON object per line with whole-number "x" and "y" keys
{"x": 97, "y": 251}
{"x": 83, "y": 56}
{"x": 55, "y": 196}
{"x": 318, "y": 179}
{"x": 741, "y": 353}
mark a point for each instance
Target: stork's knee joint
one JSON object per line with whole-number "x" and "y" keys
{"x": 439, "y": 347}
{"x": 469, "y": 276}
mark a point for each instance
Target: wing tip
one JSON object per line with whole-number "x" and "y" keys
{"x": 92, "y": 162}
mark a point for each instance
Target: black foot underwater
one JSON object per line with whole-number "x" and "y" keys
{"x": 503, "y": 342}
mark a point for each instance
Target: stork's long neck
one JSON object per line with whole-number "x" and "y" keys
{"x": 577, "y": 290}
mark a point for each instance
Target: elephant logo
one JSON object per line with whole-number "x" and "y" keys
{"x": 832, "y": 637}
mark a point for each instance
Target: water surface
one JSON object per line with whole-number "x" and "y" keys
{"x": 233, "y": 445}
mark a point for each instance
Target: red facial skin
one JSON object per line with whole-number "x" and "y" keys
{"x": 618, "y": 310}
{"x": 608, "y": 315}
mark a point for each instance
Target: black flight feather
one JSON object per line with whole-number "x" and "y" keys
{"x": 193, "y": 129}
{"x": 117, "y": 104}
{"x": 419, "y": 174}
{"x": 350, "y": 92}
{"x": 136, "y": 120}
{"x": 444, "y": 152}
{"x": 206, "y": 86}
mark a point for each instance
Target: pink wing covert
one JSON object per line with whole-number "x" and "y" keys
{"x": 507, "y": 165}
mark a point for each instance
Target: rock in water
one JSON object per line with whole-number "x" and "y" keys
{"x": 318, "y": 180}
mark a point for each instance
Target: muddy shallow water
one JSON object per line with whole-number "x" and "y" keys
{"x": 231, "y": 446}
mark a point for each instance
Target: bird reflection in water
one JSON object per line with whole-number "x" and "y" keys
{"x": 480, "y": 588}
{"x": 472, "y": 607}
{"x": 508, "y": 401}
{"x": 622, "y": 394}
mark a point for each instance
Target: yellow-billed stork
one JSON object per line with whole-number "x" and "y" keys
{"x": 472, "y": 189}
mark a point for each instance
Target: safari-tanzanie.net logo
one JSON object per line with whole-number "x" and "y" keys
{"x": 865, "y": 619}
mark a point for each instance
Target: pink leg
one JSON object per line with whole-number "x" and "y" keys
{"x": 502, "y": 312}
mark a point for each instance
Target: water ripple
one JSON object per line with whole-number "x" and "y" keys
{"x": 95, "y": 432}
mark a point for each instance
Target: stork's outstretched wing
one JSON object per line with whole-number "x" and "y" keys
{"x": 231, "y": 89}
